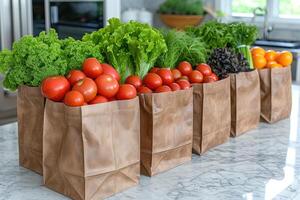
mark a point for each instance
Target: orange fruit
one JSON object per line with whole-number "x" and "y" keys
{"x": 258, "y": 50}
{"x": 273, "y": 64}
{"x": 285, "y": 58}
{"x": 270, "y": 55}
{"x": 259, "y": 61}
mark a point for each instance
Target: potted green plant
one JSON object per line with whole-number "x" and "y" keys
{"x": 181, "y": 13}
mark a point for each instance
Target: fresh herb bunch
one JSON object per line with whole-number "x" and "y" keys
{"x": 220, "y": 35}
{"x": 34, "y": 58}
{"x": 132, "y": 48}
{"x": 224, "y": 61}
{"x": 243, "y": 34}
{"x": 181, "y": 46}
{"x": 182, "y": 7}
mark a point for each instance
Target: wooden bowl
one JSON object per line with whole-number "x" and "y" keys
{"x": 181, "y": 21}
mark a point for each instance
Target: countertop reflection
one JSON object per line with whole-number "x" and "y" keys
{"x": 261, "y": 164}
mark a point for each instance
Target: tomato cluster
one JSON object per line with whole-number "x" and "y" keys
{"x": 95, "y": 83}
{"x": 165, "y": 80}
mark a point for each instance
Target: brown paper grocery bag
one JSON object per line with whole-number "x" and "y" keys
{"x": 91, "y": 152}
{"x": 30, "y": 111}
{"x": 211, "y": 115}
{"x": 166, "y": 130}
{"x": 276, "y": 93}
{"x": 245, "y": 102}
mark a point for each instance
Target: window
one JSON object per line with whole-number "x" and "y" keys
{"x": 289, "y": 8}
{"x": 245, "y": 7}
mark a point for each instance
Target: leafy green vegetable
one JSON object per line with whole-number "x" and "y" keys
{"x": 6, "y": 60}
{"x": 220, "y": 35}
{"x": 132, "y": 48}
{"x": 182, "y": 7}
{"x": 76, "y": 51}
{"x": 213, "y": 33}
{"x": 243, "y": 34}
{"x": 34, "y": 58}
{"x": 181, "y": 47}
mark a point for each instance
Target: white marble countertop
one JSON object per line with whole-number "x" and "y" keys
{"x": 261, "y": 164}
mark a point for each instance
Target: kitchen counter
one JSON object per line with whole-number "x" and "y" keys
{"x": 261, "y": 164}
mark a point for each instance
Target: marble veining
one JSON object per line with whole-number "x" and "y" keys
{"x": 261, "y": 164}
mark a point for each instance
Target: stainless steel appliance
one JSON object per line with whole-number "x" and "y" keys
{"x": 75, "y": 17}
{"x": 68, "y": 17}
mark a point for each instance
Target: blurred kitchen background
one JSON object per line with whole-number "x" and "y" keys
{"x": 278, "y": 20}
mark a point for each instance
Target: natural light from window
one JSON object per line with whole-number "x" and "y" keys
{"x": 289, "y": 8}
{"x": 242, "y": 7}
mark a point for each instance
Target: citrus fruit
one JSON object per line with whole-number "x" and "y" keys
{"x": 285, "y": 58}
{"x": 270, "y": 55}
{"x": 259, "y": 61}
{"x": 258, "y": 50}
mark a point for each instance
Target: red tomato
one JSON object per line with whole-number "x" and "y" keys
{"x": 92, "y": 68}
{"x": 196, "y": 77}
{"x": 184, "y": 78}
{"x": 214, "y": 76}
{"x": 108, "y": 69}
{"x": 154, "y": 70}
{"x": 75, "y": 76}
{"x": 152, "y": 81}
{"x": 185, "y": 68}
{"x": 166, "y": 75}
{"x": 55, "y": 87}
{"x": 74, "y": 98}
{"x": 99, "y": 99}
{"x": 184, "y": 84}
{"x": 176, "y": 74}
{"x": 174, "y": 86}
{"x": 208, "y": 79}
{"x": 107, "y": 85}
{"x": 126, "y": 91}
{"x": 204, "y": 69}
{"x": 112, "y": 99}
{"x": 144, "y": 89}
{"x": 134, "y": 80}
{"x": 87, "y": 87}
{"x": 163, "y": 88}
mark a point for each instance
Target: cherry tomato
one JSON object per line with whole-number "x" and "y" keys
{"x": 75, "y": 76}
{"x": 92, "y": 68}
{"x": 99, "y": 99}
{"x": 184, "y": 78}
{"x": 211, "y": 78}
{"x": 107, "y": 85}
{"x": 126, "y": 91}
{"x": 185, "y": 68}
{"x": 108, "y": 69}
{"x": 152, "y": 81}
{"x": 196, "y": 77}
{"x": 74, "y": 98}
{"x": 112, "y": 99}
{"x": 214, "y": 76}
{"x": 154, "y": 69}
{"x": 134, "y": 80}
{"x": 204, "y": 69}
{"x": 208, "y": 79}
{"x": 174, "y": 86}
{"x": 163, "y": 88}
{"x": 166, "y": 75}
{"x": 143, "y": 90}
{"x": 55, "y": 87}
{"x": 184, "y": 84}
{"x": 87, "y": 87}
{"x": 176, "y": 74}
